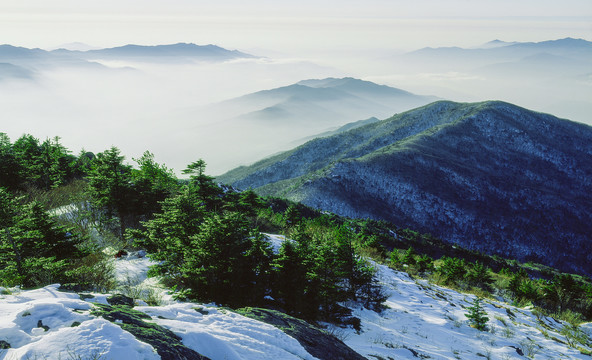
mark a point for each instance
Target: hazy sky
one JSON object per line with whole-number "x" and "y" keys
{"x": 300, "y": 39}
{"x": 301, "y": 27}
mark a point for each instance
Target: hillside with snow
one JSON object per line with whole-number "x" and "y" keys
{"x": 419, "y": 320}
{"x": 489, "y": 176}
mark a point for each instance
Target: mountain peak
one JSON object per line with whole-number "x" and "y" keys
{"x": 170, "y": 50}
{"x": 491, "y": 176}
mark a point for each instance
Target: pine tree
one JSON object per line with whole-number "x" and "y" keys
{"x": 168, "y": 235}
{"x": 453, "y": 269}
{"x": 479, "y": 275}
{"x": 110, "y": 186}
{"x": 34, "y": 250}
{"x": 153, "y": 183}
{"x": 219, "y": 263}
{"x": 409, "y": 256}
{"x": 424, "y": 263}
{"x": 10, "y": 168}
{"x": 290, "y": 278}
{"x": 477, "y": 315}
{"x": 203, "y": 185}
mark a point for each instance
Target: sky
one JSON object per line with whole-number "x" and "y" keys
{"x": 295, "y": 40}
{"x": 306, "y": 27}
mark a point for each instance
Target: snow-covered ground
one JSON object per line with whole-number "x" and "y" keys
{"x": 421, "y": 321}
{"x": 427, "y": 321}
{"x": 75, "y": 334}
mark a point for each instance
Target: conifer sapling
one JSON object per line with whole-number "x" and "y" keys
{"x": 477, "y": 316}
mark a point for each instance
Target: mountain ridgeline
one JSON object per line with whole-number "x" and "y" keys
{"x": 490, "y": 176}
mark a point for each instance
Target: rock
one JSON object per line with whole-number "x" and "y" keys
{"x": 119, "y": 299}
{"x": 518, "y": 350}
{"x": 40, "y": 325}
{"x": 167, "y": 344}
{"x": 73, "y": 287}
{"x": 318, "y": 343}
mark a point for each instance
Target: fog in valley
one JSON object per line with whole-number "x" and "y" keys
{"x": 186, "y": 108}
{"x": 186, "y": 102}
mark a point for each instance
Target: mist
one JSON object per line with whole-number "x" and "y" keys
{"x": 141, "y": 106}
{"x": 186, "y": 110}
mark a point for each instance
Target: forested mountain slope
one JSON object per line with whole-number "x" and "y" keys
{"x": 491, "y": 176}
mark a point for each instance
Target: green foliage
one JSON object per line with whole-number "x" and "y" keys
{"x": 30, "y": 164}
{"x": 168, "y": 235}
{"x": 425, "y": 263}
{"x": 207, "y": 247}
{"x": 10, "y": 168}
{"x": 110, "y": 185}
{"x": 409, "y": 256}
{"x": 574, "y": 335}
{"x": 93, "y": 272}
{"x": 153, "y": 183}
{"x": 226, "y": 262}
{"x": 207, "y": 191}
{"x": 563, "y": 292}
{"x": 290, "y": 276}
{"x": 453, "y": 269}
{"x": 477, "y": 316}
{"x": 128, "y": 194}
{"x": 479, "y": 275}
{"x": 34, "y": 250}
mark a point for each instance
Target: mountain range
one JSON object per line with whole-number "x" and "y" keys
{"x": 550, "y": 76}
{"x": 35, "y": 59}
{"x": 578, "y": 50}
{"x": 244, "y": 129}
{"x": 490, "y": 176}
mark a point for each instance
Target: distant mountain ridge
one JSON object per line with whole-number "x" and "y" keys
{"x": 570, "y": 45}
{"x": 179, "y": 49}
{"x": 172, "y": 50}
{"x": 35, "y": 59}
{"x": 333, "y": 99}
{"x": 277, "y": 119}
{"x": 490, "y": 176}
{"x": 577, "y": 51}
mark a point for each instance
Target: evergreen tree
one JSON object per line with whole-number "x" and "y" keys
{"x": 204, "y": 186}
{"x": 110, "y": 186}
{"x": 56, "y": 163}
{"x": 153, "y": 183}
{"x": 220, "y": 265}
{"x": 290, "y": 278}
{"x": 10, "y": 168}
{"x": 167, "y": 237}
{"x": 409, "y": 256}
{"x": 453, "y": 269}
{"x": 477, "y": 316}
{"x": 368, "y": 292}
{"x": 424, "y": 263}
{"x": 479, "y": 275}
{"x": 34, "y": 250}
{"x": 292, "y": 216}
{"x": 248, "y": 203}
{"x": 257, "y": 269}
{"x": 562, "y": 293}
{"x": 28, "y": 154}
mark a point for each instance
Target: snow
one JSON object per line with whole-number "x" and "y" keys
{"x": 221, "y": 334}
{"x": 429, "y": 321}
{"x": 21, "y": 312}
{"x": 207, "y": 329}
{"x": 421, "y": 321}
{"x": 276, "y": 241}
